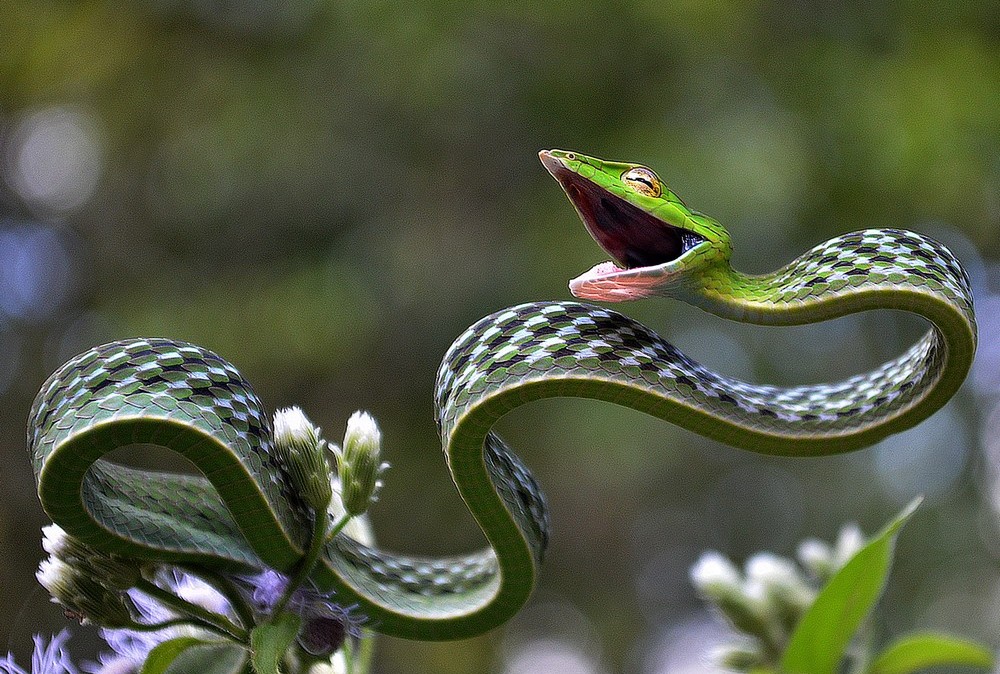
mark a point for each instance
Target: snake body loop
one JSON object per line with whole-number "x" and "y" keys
{"x": 242, "y": 515}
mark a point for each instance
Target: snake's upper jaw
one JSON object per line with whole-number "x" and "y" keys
{"x": 645, "y": 247}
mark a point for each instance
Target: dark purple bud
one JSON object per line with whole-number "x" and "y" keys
{"x": 322, "y": 636}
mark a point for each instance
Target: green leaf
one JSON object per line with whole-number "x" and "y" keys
{"x": 270, "y": 642}
{"x": 926, "y": 649}
{"x": 160, "y": 658}
{"x": 216, "y": 658}
{"x": 822, "y": 635}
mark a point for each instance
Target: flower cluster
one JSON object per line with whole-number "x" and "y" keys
{"x": 130, "y": 647}
{"x": 300, "y": 446}
{"x": 765, "y": 602}
{"x": 88, "y": 583}
{"x": 325, "y": 623}
{"x": 141, "y": 605}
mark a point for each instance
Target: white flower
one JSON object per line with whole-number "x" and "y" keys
{"x": 815, "y": 555}
{"x": 713, "y": 572}
{"x": 756, "y": 594}
{"x": 292, "y": 428}
{"x": 298, "y": 444}
{"x": 744, "y": 604}
{"x": 358, "y": 463}
{"x": 54, "y": 539}
{"x": 849, "y": 542}
{"x": 361, "y": 427}
{"x": 779, "y": 580}
{"x": 770, "y": 568}
{"x": 82, "y": 594}
{"x": 56, "y": 576}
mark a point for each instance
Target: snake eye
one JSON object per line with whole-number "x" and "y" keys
{"x": 643, "y": 181}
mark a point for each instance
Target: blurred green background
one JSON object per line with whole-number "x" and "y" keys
{"x": 327, "y": 192}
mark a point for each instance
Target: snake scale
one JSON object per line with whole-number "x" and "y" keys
{"x": 242, "y": 514}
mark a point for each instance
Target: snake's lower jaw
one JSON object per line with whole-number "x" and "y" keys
{"x": 607, "y": 282}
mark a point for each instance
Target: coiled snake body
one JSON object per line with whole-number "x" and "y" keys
{"x": 243, "y": 514}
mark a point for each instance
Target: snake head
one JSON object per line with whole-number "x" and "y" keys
{"x": 656, "y": 242}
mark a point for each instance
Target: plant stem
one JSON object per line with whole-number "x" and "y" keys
{"x": 174, "y": 622}
{"x": 349, "y": 661}
{"x": 306, "y": 564}
{"x": 196, "y": 614}
{"x": 366, "y": 650}
{"x": 227, "y": 589}
{"x": 338, "y": 527}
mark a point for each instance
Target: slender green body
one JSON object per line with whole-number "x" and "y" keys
{"x": 242, "y": 513}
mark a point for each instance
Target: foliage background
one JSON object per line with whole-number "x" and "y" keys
{"x": 327, "y": 192}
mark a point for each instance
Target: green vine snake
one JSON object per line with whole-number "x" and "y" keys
{"x": 242, "y": 513}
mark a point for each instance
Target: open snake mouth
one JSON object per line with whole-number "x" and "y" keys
{"x": 633, "y": 237}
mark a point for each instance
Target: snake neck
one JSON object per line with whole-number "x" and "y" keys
{"x": 870, "y": 269}
{"x": 751, "y": 298}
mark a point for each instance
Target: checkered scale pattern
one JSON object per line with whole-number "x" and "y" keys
{"x": 191, "y": 387}
{"x": 410, "y": 577}
{"x": 569, "y": 340}
{"x": 892, "y": 259}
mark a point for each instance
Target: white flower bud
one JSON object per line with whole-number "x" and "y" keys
{"x": 56, "y": 576}
{"x": 112, "y": 571}
{"x": 54, "y": 539}
{"x": 83, "y": 595}
{"x": 362, "y": 432}
{"x": 750, "y": 606}
{"x": 297, "y": 441}
{"x": 849, "y": 542}
{"x": 719, "y": 582}
{"x": 756, "y": 592}
{"x": 714, "y": 573}
{"x": 781, "y": 584}
{"x": 359, "y": 465}
{"x": 770, "y": 569}
{"x": 292, "y": 429}
{"x": 816, "y": 556}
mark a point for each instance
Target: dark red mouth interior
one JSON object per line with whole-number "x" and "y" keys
{"x": 630, "y": 235}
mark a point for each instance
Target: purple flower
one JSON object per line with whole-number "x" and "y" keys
{"x": 325, "y": 623}
{"x": 129, "y": 649}
{"x": 50, "y": 658}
